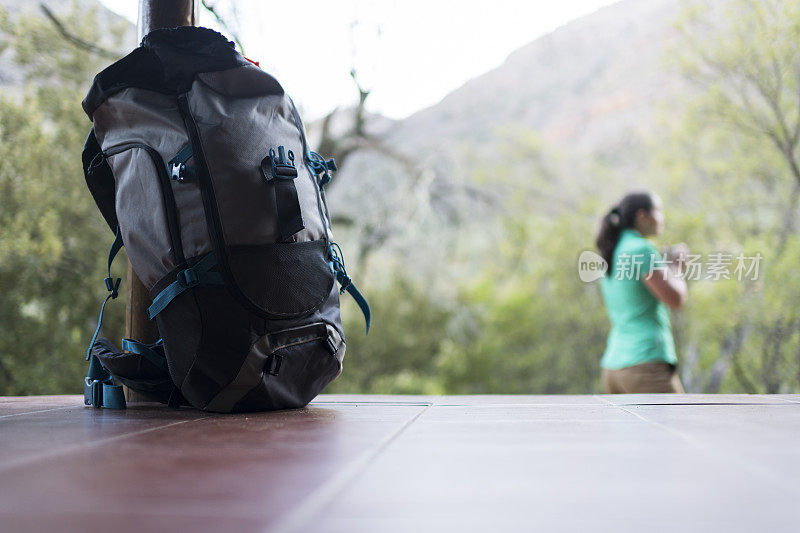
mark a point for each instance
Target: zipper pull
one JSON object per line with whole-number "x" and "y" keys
{"x": 178, "y": 171}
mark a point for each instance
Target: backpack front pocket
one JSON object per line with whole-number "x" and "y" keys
{"x": 294, "y": 366}
{"x": 148, "y": 219}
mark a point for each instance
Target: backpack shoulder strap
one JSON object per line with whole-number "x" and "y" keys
{"x": 100, "y": 179}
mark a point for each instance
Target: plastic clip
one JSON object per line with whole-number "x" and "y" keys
{"x": 281, "y": 165}
{"x": 112, "y": 284}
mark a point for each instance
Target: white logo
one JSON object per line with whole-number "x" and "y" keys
{"x": 591, "y": 266}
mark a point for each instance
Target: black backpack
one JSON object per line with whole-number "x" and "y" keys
{"x": 198, "y": 162}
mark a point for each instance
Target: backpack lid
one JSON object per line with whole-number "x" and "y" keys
{"x": 167, "y": 61}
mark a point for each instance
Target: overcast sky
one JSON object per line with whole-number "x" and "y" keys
{"x": 409, "y": 53}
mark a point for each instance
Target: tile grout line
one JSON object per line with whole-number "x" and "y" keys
{"x": 317, "y": 500}
{"x": 714, "y": 453}
{"x": 78, "y": 447}
{"x": 473, "y": 405}
{"x": 370, "y": 404}
{"x": 39, "y": 411}
{"x": 525, "y": 405}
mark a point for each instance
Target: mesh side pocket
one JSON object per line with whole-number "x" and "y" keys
{"x": 285, "y": 280}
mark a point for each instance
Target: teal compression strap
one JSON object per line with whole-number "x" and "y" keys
{"x": 322, "y": 168}
{"x": 347, "y": 286}
{"x": 112, "y": 285}
{"x": 197, "y": 275}
{"x": 99, "y": 389}
{"x": 113, "y": 396}
{"x": 97, "y": 329}
{"x": 146, "y": 351}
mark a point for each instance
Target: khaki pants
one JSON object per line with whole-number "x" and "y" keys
{"x": 644, "y": 378}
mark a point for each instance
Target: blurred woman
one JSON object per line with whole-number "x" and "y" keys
{"x": 639, "y": 288}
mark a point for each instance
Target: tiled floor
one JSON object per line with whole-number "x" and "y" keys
{"x": 638, "y": 463}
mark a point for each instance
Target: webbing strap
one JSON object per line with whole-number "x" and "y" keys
{"x": 287, "y": 207}
{"x": 278, "y": 168}
{"x": 99, "y": 389}
{"x": 347, "y": 286}
{"x": 337, "y": 264}
{"x": 97, "y": 329}
{"x": 112, "y": 286}
{"x": 183, "y": 155}
{"x": 146, "y": 351}
{"x": 116, "y": 246}
{"x": 197, "y": 275}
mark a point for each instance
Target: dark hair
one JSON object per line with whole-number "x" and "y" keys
{"x": 621, "y": 216}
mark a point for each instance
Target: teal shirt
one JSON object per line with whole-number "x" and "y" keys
{"x": 640, "y": 326}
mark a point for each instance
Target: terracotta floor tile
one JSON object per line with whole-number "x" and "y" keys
{"x": 406, "y": 463}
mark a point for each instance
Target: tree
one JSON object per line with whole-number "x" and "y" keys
{"x": 740, "y": 148}
{"x": 745, "y": 54}
{"x": 52, "y": 241}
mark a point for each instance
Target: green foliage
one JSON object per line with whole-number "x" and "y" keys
{"x": 534, "y": 326}
{"x": 737, "y": 180}
{"x": 398, "y": 354}
{"x": 52, "y": 241}
{"x": 523, "y": 323}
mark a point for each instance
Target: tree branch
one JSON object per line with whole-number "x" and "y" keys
{"x": 74, "y": 39}
{"x": 212, "y": 9}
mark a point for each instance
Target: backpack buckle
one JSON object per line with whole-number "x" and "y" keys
{"x": 188, "y": 278}
{"x": 93, "y": 392}
{"x": 103, "y": 394}
{"x": 280, "y": 166}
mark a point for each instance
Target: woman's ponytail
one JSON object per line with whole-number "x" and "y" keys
{"x": 608, "y": 236}
{"x": 622, "y": 216}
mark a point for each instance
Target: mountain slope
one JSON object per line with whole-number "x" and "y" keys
{"x": 576, "y": 85}
{"x": 592, "y": 90}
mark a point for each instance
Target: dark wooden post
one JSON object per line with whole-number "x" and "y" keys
{"x": 153, "y": 14}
